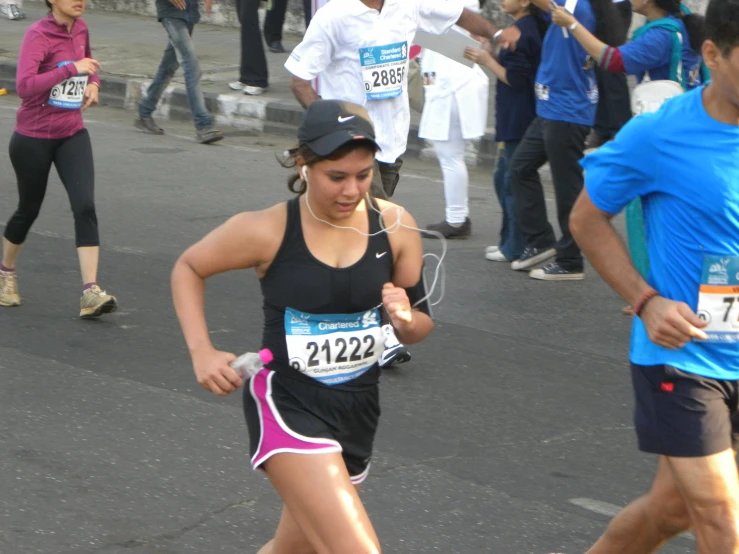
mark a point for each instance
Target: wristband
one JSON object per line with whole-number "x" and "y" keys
{"x": 646, "y": 297}
{"x": 497, "y": 34}
{"x": 574, "y": 26}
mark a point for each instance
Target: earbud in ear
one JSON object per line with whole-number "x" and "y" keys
{"x": 305, "y": 172}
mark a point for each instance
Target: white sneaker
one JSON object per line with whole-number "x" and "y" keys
{"x": 236, "y": 85}
{"x": 395, "y": 352}
{"x": 12, "y": 12}
{"x": 489, "y": 249}
{"x": 496, "y": 256}
{"x": 254, "y": 91}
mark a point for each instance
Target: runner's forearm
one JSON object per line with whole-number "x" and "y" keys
{"x": 476, "y": 24}
{"x": 188, "y": 293}
{"x": 303, "y": 91}
{"x": 421, "y": 326}
{"x": 606, "y": 251}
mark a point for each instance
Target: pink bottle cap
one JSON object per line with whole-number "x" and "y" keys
{"x": 265, "y": 354}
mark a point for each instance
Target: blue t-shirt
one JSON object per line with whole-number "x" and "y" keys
{"x": 564, "y": 90}
{"x": 685, "y": 167}
{"x": 652, "y": 51}
{"x": 515, "y": 103}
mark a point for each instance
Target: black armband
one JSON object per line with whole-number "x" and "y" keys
{"x": 418, "y": 292}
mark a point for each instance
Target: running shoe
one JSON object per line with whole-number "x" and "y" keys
{"x": 449, "y": 231}
{"x": 148, "y": 125}
{"x": 96, "y": 302}
{"x": 236, "y": 85}
{"x": 490, "y": 249}
{"x": 9, "y": 290}
{"x": 555, "y": 272}
{"x": 531, "y": 257}
{"x": 12, "y": 12}
{"x": 395, "y": 352}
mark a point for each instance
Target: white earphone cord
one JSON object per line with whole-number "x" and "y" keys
{"x": 440, "y": 271}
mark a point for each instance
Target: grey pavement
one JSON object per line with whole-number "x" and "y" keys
{"x": 509, "y": 432}
{"x": 130, "y": 47}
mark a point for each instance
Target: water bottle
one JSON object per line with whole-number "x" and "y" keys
{"x": 248, "y": 365}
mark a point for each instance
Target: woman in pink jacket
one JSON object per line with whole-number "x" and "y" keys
{"x": 57, "y": 80}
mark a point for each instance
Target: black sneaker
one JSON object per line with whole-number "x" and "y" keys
{"x": 449, "y": 231}
{"x": 555, "y": 272}
{"x": 594, "y": 140}
{"x": 531, "y": 257}
{"x": 148, "y": 125}
{"x": 276, "y": 47}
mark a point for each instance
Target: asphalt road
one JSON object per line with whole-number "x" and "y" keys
{"x": 510, "y": 431}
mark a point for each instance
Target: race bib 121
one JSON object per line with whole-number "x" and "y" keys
{"x": 333, "y": 348}
{"x": 383, "y": 70}
{"x": 718, "y": 298}
{"x": 70, "y": 93}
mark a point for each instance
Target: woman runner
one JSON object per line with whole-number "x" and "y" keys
{"x": 57, "y": 80}
{"x": 326, "y": 267}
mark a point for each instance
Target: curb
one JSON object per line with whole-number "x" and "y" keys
{"x": 252, "y": 115}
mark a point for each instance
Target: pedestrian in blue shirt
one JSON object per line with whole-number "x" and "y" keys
{"x": 566, "y": 99}
{"x": 515, "y": 109}
{"x": 683, "y": 162}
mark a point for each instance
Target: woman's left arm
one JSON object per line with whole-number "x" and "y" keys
{"x": 411, "y": 324}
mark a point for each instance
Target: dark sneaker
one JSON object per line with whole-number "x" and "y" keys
{"x": 276, "y": 47}
{"x": 594, "y": 140}
{"x": 531, "y": 257}
{"x": 449, "y": 231}
{"x": 555, "y": 272}
{"x": 208, "y": 135}
{"x": 148, "y": 125}
{"x": 395, "y": 352}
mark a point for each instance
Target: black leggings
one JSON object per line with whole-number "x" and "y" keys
{"x": 32, "y": 159}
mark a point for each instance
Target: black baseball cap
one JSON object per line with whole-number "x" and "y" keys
{"x": 329, "y": 124}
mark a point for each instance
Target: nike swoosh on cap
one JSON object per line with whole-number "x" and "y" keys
{"x": 345, "y": 119}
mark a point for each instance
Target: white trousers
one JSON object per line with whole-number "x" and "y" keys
{"x": 454, "y": 169}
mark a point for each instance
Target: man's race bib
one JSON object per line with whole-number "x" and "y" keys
{"x": 69, "y": 94}
{"x": 383, "y": 70}
{"x": 333, "y": 348}
{"x": 718, "y": 298}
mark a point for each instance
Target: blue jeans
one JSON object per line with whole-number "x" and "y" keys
{"x": 512, "y": 242}
{"x": 179, "y": 52}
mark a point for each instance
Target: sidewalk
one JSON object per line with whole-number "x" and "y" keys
{"x": 129, "y": 48}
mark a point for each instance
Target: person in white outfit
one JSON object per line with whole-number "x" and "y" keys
{"x": 455, "y": 111}
{"x": 11, "y": 9}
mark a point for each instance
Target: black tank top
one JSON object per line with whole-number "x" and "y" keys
{"x": 321, "y": 322}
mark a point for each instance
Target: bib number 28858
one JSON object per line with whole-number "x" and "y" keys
{"x": 386, "y": 77}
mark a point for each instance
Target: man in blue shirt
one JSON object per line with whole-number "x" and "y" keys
{"x": 683, "y": 162}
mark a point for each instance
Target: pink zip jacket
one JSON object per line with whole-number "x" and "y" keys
{"x": 47, "y": 80}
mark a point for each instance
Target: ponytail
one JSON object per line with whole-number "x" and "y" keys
{"x": 694, "y": 24}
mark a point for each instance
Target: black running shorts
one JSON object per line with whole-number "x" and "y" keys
{"x": 682, "y": 414}
{"x": 287, "y": 415}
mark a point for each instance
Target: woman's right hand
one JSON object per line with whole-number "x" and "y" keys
{"x": 213, "y": 372}
{"x": 88, "y": 66}
{"x": 478, "y": 55}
